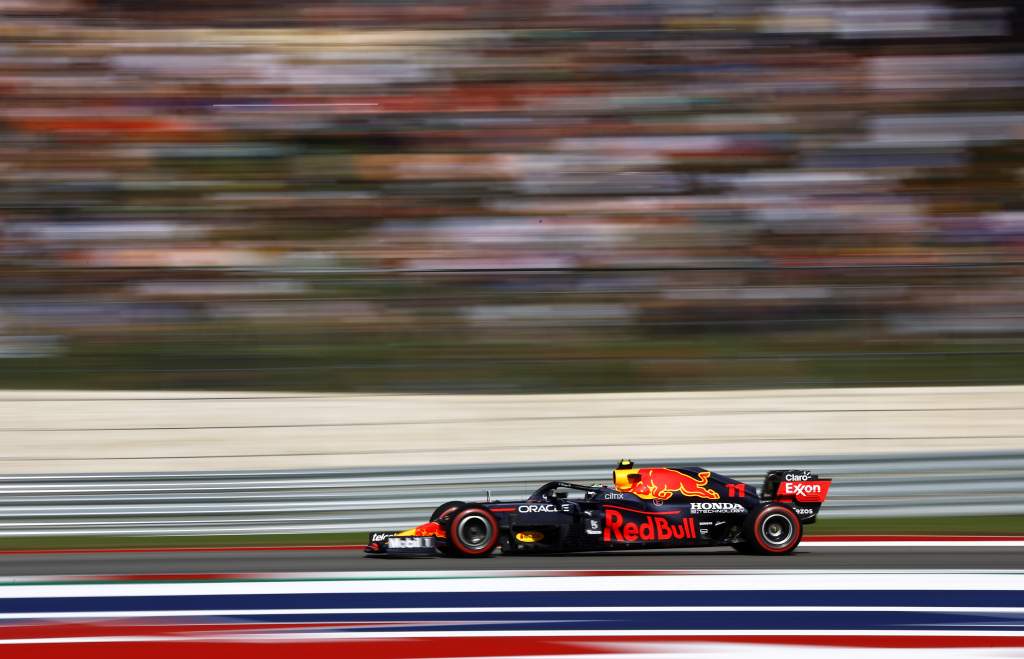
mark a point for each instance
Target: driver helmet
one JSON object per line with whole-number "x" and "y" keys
{"x": 624, "y": 475}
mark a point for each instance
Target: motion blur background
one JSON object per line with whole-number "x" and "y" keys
{"x": 530, "y": 196}
{"x": 261, "y": 238}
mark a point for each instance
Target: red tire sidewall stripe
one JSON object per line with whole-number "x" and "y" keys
{"x": 792, "y": 518}
{"x": 457, "y": 542}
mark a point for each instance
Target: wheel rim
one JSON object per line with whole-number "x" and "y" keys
{"x": 475, "y": 531}
{"x": 777, "y": 530}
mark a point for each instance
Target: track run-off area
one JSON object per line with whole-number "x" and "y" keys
{"x": 851, "y": 596}
{"x": 832, "y": 553}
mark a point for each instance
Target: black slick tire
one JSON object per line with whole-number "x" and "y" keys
{"x": 771, "y": 530}
{"x": 470, "y": 532}
{"x": 441, "y": 515}
{"x": 446, "y": 508}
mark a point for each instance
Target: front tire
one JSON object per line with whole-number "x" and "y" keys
{"x": 445, "y": 509}
{"x": 771, "y": 530}
{"x": 472, "y": 532}
{"x": 441, "y": 515}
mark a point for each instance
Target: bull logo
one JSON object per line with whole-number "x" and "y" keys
{"x": 659, "y": 484}
{"x": 429, "y": 530}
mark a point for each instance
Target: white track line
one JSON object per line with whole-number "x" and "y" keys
{"x": 777, "y": 581}
{"x": 110, "y": 615}
{"x": 591, "y": 634}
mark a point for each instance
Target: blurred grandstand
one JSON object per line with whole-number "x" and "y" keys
{"x": 510, "y": 196}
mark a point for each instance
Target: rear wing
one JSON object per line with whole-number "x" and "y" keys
{"x": 802, "y": 490}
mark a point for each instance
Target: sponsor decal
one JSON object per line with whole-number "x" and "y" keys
{"x": 566, "y": 507}
{"x": 614, "y": 495}
{"x": 804, "y": 512}
{"x": 805, "y": 476}
{"x": 716, "y": 507}
{"x": 808, "y": 492}
{"x": 659, "y": 484}
{"x": 538, "y": 508}
{"x": 379, "y": 537}
{"x": 409, "y": 542}
{"x": 651, "y": 528}
{"x": 593, "y": 527}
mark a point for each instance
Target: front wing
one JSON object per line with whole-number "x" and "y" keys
{"x": 421, "y": 541}
{"x": 395, "y": 543}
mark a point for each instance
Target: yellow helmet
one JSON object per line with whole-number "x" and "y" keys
{"x": 621, "y": 475}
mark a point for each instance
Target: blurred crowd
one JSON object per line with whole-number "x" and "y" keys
{"x": 221, "y": 192}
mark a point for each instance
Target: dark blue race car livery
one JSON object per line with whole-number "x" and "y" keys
{"x": 644, "y": 508}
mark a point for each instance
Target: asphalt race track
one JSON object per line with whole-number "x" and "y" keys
{"x": 335, "y": 560}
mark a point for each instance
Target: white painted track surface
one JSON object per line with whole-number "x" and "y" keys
{"x": 550, "y": 581}
{"x": 500, "y": 614}
{"x": 67, "y": 432}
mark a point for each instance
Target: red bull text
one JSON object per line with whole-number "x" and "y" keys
{"x": 651, "y": 528}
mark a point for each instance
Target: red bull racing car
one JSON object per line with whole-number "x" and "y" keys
{"x": 644, "y": 508}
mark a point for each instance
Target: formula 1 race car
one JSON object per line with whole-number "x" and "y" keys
{"x": 645, "y": 508}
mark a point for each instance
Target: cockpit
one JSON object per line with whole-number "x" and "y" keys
{"x": 561, "y": 490}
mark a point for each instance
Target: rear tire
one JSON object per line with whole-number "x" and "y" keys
{"x": 771, "y": 530}
{"x": 471, "y": 532}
